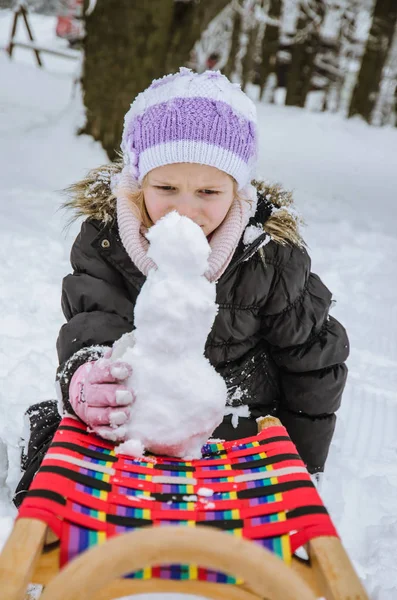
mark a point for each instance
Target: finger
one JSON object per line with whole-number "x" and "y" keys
{"x": 108, "y": 416}
{"x": 113, "y": 435}
{"x": 119, "y": 417}
{"x": 108, "y": 394}
{"x": 121, "y": 370}
{"x": 107, "y": 371}
{"x": 98, "y": 416}
{"x": 124, "y": 397}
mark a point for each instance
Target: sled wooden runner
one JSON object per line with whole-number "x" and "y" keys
{"x": 213, "y": 521}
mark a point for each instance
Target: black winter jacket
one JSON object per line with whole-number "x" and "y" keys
{"x": 273, "y": 339}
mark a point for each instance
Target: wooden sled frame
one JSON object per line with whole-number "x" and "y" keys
{"x": 98, "y": 572}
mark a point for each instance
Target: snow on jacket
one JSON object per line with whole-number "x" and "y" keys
{"x": 273, "y": 340}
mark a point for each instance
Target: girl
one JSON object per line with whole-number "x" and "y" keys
{"x": 190, "y": 145}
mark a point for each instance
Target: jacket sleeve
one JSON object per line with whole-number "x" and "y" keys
{"x": 96, "y": 305}
{"x": 310, "y": 347}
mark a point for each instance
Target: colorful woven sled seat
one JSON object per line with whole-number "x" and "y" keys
{"x": 254, "y": 489}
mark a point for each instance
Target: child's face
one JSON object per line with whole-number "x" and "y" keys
{"x": 202, "y": 193}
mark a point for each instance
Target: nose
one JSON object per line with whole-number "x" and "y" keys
{"x": 186, "y": 206}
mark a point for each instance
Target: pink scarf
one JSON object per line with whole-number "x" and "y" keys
{"x": 223, "y": 241}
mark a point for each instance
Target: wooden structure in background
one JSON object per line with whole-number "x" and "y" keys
{"x": 21, "y": 12}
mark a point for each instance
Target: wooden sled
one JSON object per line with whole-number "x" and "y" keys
{"x": 29, "y": 556}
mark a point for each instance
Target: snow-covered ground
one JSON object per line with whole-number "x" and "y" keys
{"x": 344, "y": 178}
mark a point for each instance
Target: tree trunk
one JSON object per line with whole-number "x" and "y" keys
{"x": 230, "y": 66}
{"x": 249, "y": 56}
{"x": 189, "y": 21}
{"x": 376, "y": 51}
{"x": 128, "y": 44}
{"x": 270, "y": 43}
{"x": 394, "y": 109}
{"x": 302, "y": 57}
{"x": 344, "y": 43}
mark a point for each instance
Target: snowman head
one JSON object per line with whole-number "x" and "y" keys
{"x": 178, "y": 245}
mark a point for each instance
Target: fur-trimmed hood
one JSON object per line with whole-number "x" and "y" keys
{"x": 92, "y": 197}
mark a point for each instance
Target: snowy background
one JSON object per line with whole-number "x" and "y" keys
{"x": 344, "y": 178}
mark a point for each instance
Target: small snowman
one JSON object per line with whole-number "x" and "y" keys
{"x": 180, "y": 398}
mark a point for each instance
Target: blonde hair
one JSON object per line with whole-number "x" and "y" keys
{"x": 137, "y": 199}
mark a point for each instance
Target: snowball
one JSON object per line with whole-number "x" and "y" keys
{"x": 236, "y": 412}
{"x": 206, "y": 492}
{"x": 251, "y": 233}
{"x": 131, "y": 447}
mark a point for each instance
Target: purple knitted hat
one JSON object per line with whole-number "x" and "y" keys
{"x": 190, "y": 117}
